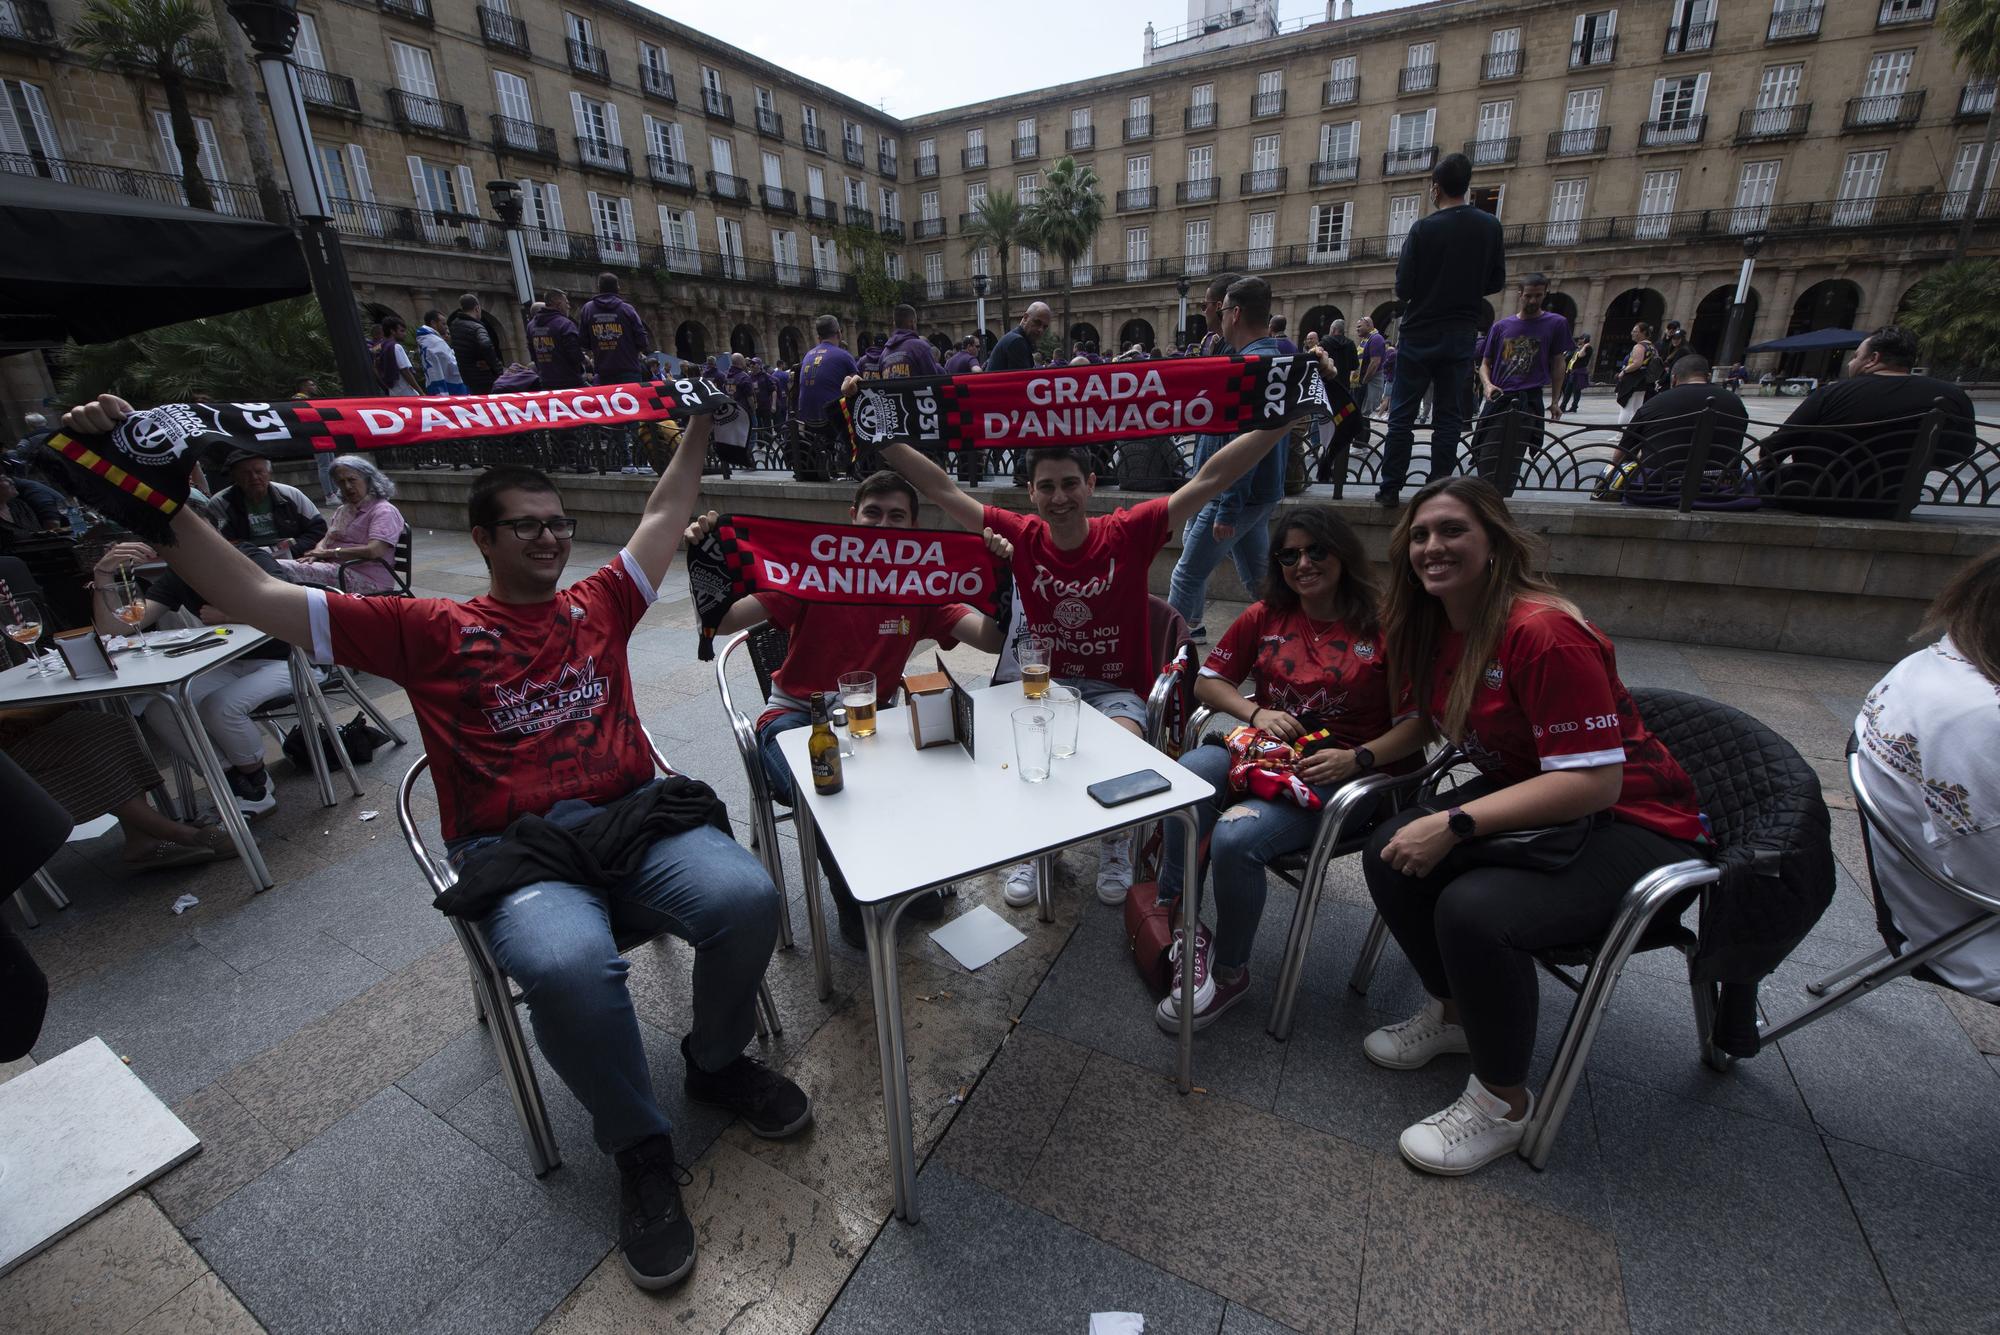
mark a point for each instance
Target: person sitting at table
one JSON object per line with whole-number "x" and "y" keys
{"x": 363, "y": 530}
{"x": 257, "y": 512}
{"x": 826, "y": 640}
{"x": 225, "y": 695}
{"x": 1312, "y": 651}
{"x": 524, "y": 699}
{"x": 1508, "y": 671}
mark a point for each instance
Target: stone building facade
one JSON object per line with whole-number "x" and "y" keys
{"x": 1629, "y": 147}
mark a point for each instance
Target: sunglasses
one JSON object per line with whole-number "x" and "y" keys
{"x": 1314, "y": 552}
{"x": 528, "y": 529}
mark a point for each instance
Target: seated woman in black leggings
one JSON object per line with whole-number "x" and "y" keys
{"x": 1508, "y": 670}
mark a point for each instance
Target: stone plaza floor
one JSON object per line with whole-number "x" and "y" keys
{"x": 363, "y": 1170}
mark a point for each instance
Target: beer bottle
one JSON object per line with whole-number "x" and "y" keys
{"x": 823, "y": 749}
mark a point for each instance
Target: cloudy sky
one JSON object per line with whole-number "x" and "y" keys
{"x": 914, "y": 56}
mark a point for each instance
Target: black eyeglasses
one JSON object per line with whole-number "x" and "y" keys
{"x": 1313, "y": 551}
{"x": 529, "y": 528}
{"x": 1227, "y": 309}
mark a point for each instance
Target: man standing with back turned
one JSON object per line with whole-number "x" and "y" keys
{"x": 1448, "y": 262}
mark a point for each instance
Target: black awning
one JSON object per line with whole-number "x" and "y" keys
{"x": 95, "y": 266}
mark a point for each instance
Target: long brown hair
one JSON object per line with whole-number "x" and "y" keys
{"x": 1414, "y": 622}
{"x": 1357, "y": 602}
{"x": 1968, "y": 610}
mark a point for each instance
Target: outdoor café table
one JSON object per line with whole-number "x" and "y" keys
{"x": 167, "y": 679}
{"x": 909, "y": 820}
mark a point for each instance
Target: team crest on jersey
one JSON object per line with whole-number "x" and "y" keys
{"x": 894, "y": 626}
{"x": 576, "y": 692}
{"x": 1072, "y": 612}
{"x": 1493, "y": 675}
{"x": 1364, "y": 651}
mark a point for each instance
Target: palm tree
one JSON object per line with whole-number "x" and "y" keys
{"x": 1973, "y": 28}
{"x": 999, "y": 223}
{"x": 1063, "y": 221}
{"x": 1955, "y": 313}
{"x": 161, "y": 37}
{"x": 249, "y": 355}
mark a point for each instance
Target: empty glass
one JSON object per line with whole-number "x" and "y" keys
{"x": 1032, "y": 735}
{"x": 1067, "y": 703}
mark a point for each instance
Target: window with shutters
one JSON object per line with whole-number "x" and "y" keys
{"x": 1139, "y": 171}
{"x": 1027, "y": 188}
{"x": 414, "y": 73}
{"x": 1755, "y": 189}
{"x": 208, "y": 158}
{"x": 1656, "y": 205}
{"x": 826, "y": 264}
{"x": 598, "y": 142}
{"x": 729, "y": 246}
{"x": 1491, "y": 145}
{"x": 1962, "y": 171}
{"x": 855, "y": 192}
{"x": 1860, "y": 183}
{"x": 1194, "y": 253}
{"x": 1138, "y": 252}
{"x": 1340, "y": 143}
{"x": 307, "y": 50}
{"x": 892, "y": 265}
{"x": 1678, "y": 111}
{"x": 1881, "y": 100}
{"x": 1028, "y": 268}
{"x": 1085, "y": 268}
{"x": 785, "y": 258}
{"x": 680, "y": 239}
{"x": 1263, "y": 240}
{"x": 1566, "y": 211}
{"x": 934, "y": 276}
{"x": 542, "y": 218}
{"x": 892, "y": 205}
{"x": 1330, "y": 228}
{"x": 28, "y": 132}
{"x": 927, "y": 206}
{"x": 1594, "y": 39}
{"x": 1402, "y": 217}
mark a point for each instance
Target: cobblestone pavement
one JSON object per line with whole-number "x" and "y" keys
{"x": 364, "y": 1171}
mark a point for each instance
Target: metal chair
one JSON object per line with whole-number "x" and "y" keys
{"x": 766, "y": 644}
{"x": 399, "y": 565}
{"x": 1709, "y": 740}
{"x": 493, "y": 996}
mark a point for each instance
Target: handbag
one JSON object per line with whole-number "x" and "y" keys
{"x": 1547, "y": 848}
{"x": 1149, "y": 930}
{"x": 357, "y": 735}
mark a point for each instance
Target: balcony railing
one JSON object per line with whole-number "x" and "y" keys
{"x": 926, "y": 167}
{"x": 1593, "y": 51}
{"x": 1693, "y": 37}
{"x": 1267, "y": 104}
{"x": 892, "y": 228}
{"x": 972, "y": 159}
{"x": 1264, "y": 181}
{"x": 524, "y": 138}
{"x": 857, "y": 215}
{"x": 1975, "y": 100}
{"x": 1409, "y": 161}
{"x": 335, "y": 92}
{"x": 656, "y": 82}
{"x": 1898, "y": 13}
{"x": 238, "y": 200}
{"x": 27, "y": 22}
{"x": 603, "y": 155}
{"x": 925, "y": 229}
{"x": 718, "y": 104}
{"x": 1138, "y": 127}
{"x": 723, "y": 186}
{"x": 1138, "y": 198}
{"x": 852, "y": 150}
{"x": 427, "y": 115}
{"x": 1205, "y": 190}
{"x": 1027, "y": 147}
{"x": 1493, "y": 152}
{"x": 1339, "y": 92}
{"x": 1579, "y": 143}
{"x": 1200, "y": 116}
{"x": 819, "y": 210}
{"x": 589, "y": 61}
{"x": 670, "y": 172}
{"x": 1892, "y": 111}
{"x": 502, "y": 30}
{"x": 1496, "y": 65}
{"x": 966, "y": 222}
{"x": 813, "y": 137}
{"x": 770, "y": 124}
{"x": 416, "y": 11}
{"x": 1773, "y": 122}
{"x": 1333, "y": 171}
{"x": 1080, "y": 137}
{"x": 1417, "y": 79}
{"x": 1680, "y": 132}
{"x": 777, "y": 199}
{"x": 1796, "y": 23}
{"x": 885, "y": 164}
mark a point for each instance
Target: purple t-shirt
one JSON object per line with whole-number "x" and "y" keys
{"x": 908, "y": 353}
{"x": 1375, "y": 349}
{"x": 1524, "y": 353}
{"x": 962, "y": 362}
{"x": 819, "y": 379}
{"x": 617, "y": 337}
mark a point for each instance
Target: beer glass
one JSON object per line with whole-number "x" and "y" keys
{"x": 857, "y": 693}
{"x": 1033, "y": 652}
{"x": 1067, "y": 704}
{"x": 1033, "y": 726}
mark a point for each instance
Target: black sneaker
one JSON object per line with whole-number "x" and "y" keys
{"x": 655, "y": 1236}
{"x": 769, "y": 1104}
{"x": 1388, "y": 500}
{"x": 255, "y": 793}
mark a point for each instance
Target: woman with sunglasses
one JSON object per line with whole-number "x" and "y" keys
{"x": 1507, "y": 670}
{"x": 1312, "y": 651}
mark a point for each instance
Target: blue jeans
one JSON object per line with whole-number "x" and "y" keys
{"x": 1443, "y": 359}
{"x": 554, "y": 939}
{"x": 1201, "y": 552}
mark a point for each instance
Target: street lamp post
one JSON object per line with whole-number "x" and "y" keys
{"x": 979, "y": 285}
{"x": 272, "y": 26}
{"x": 1180, "y": 321}
{"x": 506, "y": 197}
{"x": 1734, "y": 335}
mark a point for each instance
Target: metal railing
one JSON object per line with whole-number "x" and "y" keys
{"x": 722, "y": 185}
{"x": 416, "y": 11}
{"x": 926, "y": 228}
{"x": 1339, "y": 92}
{"x": 1079, "y": 137}
{"x": 1027, "y": 147}
{"x": 857, "y": 215}
{"x": 523, "y": 137}
{"x": 162, "y": 187}
{"x": 1138, "y": 198}
{"x": 428, "y": 115}
{"x": 1263, "y": 181}
{"x": 1267, "y": 104}
{"x": 885, "y": 164}
{"x": 819, "y": 210}
{"x": 603, "y": 155}
{"x": 1975, "y": 100}
{"x": 1333, "y": 171}
{"x": 854, "y": 152}
{"x": 892, "y": 228}
{"x": 497, "y": 28}
{"x": 1579, "y": 143}
{"x": 1493, "y": 152}
{"x": 1199, "y": 116}
{"x": 1138, "y": 127}
{"x": 925, "y": 167}
{"x": 770, "y": 124}
{"x": 1496, "y": 65}
{"x": 656, "y": 83}
{"x": 1897, "y": 13}
{"x": 321, "y": 88}
{"x": 813, "y": 137}
{"x": 1693, "y": 37}
{"x": 1417, "y": 79}
{"x": 671, "y": 172}
{"x": 27, "y": 21}
{"x": 1409, "y": 161}
{"x": 718, "y": 104}
{"x": 1593, "y": 51}
{"x": 1773, "y": 122}
{"x": 1679, "y": 132}
{"x": 777, "y": 199}
{"x": 1892, "y": 111}
{"x": 589, "y": 61}
{"x": 1797, "y": 23}
{"x": 1205, "y": 190}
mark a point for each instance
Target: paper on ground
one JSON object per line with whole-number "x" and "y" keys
{"x": 978, "y": 937}
{"x": 1117, "y": 1323}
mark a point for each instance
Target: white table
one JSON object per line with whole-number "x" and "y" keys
{"x": 167, "y": 679}
{"x": 909, "y": 820}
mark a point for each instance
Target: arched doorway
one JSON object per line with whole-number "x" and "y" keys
{"x": 1135, "y": 331}
{"x": 941, "y": 341}
{"x": 1563, "y": 304}
{"x": 1830, "y": 304}
{"x": 1318, "y": 320}
{"x": 1385, "y": 317}
{"x": 374, "y": 312}
{"x": 1635, "y": 305}
{"x": 791, "y": 345}
{"x": 1085, "y": 333}
{"x": 743, "y": 339}
{"x": 1711, "y": 320}
{"x": 691, "y": 342}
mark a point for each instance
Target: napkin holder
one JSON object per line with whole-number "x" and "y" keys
{"x": 84, "y": 654}
{"x": 928, "y": 695}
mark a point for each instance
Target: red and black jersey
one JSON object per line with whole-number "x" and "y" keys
{"x": 1323, "y": 676}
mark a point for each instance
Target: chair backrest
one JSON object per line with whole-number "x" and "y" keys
{"x": 768, "y": 644}
{"x": 403, "y": 562}
{"x": 1754, "y": 786}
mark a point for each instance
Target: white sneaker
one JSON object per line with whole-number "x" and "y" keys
{"x": 1020, "y": 888}
{"x": 1114, "y": 868}
{"x": 1471, "y": 1133}
{"x": 1412, "y": 1043}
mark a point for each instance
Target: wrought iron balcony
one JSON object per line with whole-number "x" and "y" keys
{"x": 499, "y": 29}
{"x": 335, "y": 92}
{"x": 770, "y": 124}
{"x": 813, "y": 137}
{"x": 589, "y": 61}
{"x": 670, "y": 172}
{"x": 656, "y": 83}
{"x": 1680, "y": 132}
{"x": 427, "y": 115}
{"x": 1694, "y": 37}
{"x": 27, "y": 23}
{"x": 854, "y": 152}
{"x": 1895, "y": 111}
{"x": 1339, "y": 92}
{"x": 1138, "y": 198}
{"x": 1417, "y": 79}
{"x": 1200, "y": 116}
{"x": 777, "y": 199}
{"x": 603, "y": 155}
{"x": 1409, "y": 161}
{"x": 1975, "y": 100}
{"x": 1901, "y": 13}
{"x": 1205, "y": 190}
{"x": 718, "y": 104}
{"x": 885, "y": 164}
{"x": 1137, "y": 128}
{"x": 926, "y": 228}
{"x": 1593, "y": 51}
{"x": 1333, "y": 171}
{"x": 1496, "y": 65}
{"x": 1027, "y": 147}
{"x": 892, "y": 228}
{"x": 1773, "y": 122}
{"x": 1796, "y": 23}
{"x": 1080, "y": 137}
{"x": 1265, "y": 105}
{"x": 1267, "y": 181}
{"x": 731, "y": 189}
{"x": 524, "y": 139}
{"x": 819, "y": 210}
{"x": 857, "y": 215}
{"x": 927, "y": 167}
{"x": 1494, "y": 152}
{"x": 416, "y": 11}
{"x": 1579, "y": 143}
{"x": 971, "y": 159}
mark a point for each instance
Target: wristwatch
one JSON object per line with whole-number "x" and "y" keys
{"x": 1461, "y": 822}
{"x": 1364, "y": 759}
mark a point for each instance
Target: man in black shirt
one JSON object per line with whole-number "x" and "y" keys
{"x": 1448, "y": 262}
{"x": 1657, "y": 440}
{"x": 1337, "y": 438}
{"x": 1844, "y": 450}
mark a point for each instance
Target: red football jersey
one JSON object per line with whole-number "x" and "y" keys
{"x": 828, "y": 640}
{"x": 1320, "y": 675}
{"x": 1090, "y": 603}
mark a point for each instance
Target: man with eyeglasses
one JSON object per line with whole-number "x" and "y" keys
{"x": 524, "y": 699}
